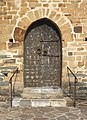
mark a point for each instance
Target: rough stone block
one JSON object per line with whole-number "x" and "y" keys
{"x": 45, "y": 1}
{"x": 12, "y": 45}
{"x": 1, "y": 78}
{"x": 40, "y": 103}
{"x": 56, "y": 17}
{"x": 78, "y": 58}
{"x": 8, "y": 67}
{"x": 3, "y": 46}
{"x": 7, "y": 30}
{"x": 22, "y": 25}
{"x": 21, "y": 13}
{"x": 12, "y": 12}
{"x": 69, "y": 58}
{"x": 25, "y": 102}
{"x": 74, "y": 20}
{"x": 61, "y": 22}
{"x": 69, "y": 102}
{"x": 58, "y": 103}
{"x": 47, "y": 12}
{"x": 45, "y": 5}
{"x": 24, "y": 9}
{"x": 36, "y": 13}
{"x": 5, "y": 37}
{"x": 16, "y": 101}
{"x": 10, "y": 61}
{"x": 65, "y": 26}
{"x": 80, "y": 49}
{"x": 74, "y": 1}
{"x": 31, "y": 16}
{"x": 84, "y": 80}
{"x": 18, "y": 56}
{"x": 42, "y": 12}
{"x": 4, "y": 22}
{"x": 52, "y": 14}
{"x": 32, "y": 0}
{"x": 2, "y": 3}
{"x": 56, "y": 0}
{"x": 44, "y": 93}
{"x": 5, "y": 72}
{"x": 13, "y": 21}
{"x": 4, "y": 92}
{"x": 31, "y": 95}
{"x": 67, "y": 37}
{"x": 4, "y": 56}
{"x": 78, "y": 29}
{"x": 62, "y": 5}
{"x": 24, "y": 4}
{"x": 2, "y": 75}
{"x": 6, "y": 83}
{"x": 64, "y": 43}
{"x": 64, "y": 64}
{"x": 34, "y": 4}
{"x": 80, "y": 64}
{"x": 8, "y": 17}
{"x": 26, "y": 20}
{"x": 64, "y": 0}
{"x": 19, "y": 32}
{"x": 73, "y": 44}
{"x": 73, "y": 64}
{"x": 85, "y": 64}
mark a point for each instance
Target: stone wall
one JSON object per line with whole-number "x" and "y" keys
{"x": 69, "y": 15}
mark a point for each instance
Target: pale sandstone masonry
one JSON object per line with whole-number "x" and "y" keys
{"x": 69, "y": 15}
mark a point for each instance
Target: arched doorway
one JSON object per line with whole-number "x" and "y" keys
{"x": 42, "y": 54}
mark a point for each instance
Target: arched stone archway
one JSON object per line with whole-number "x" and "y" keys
{"x": 42, "y": 54}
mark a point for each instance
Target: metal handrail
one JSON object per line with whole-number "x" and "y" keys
{"x": 10, "y": 82}
{"x": 75, "y": 81}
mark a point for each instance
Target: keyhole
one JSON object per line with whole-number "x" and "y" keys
{"x": 38, "y": 51}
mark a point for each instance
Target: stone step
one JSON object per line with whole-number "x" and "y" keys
{"x": 43, "y": 96}
{"x": 42, "y": 92}
{"x": 16, "y": 101}
{"x": 43, "y": 102}
{"x": 65, "y": 101}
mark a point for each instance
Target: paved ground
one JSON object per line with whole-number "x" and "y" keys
{"x": 44, "y": 113}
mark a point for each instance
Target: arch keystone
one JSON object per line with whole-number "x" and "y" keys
{"x": 52, "y": 14}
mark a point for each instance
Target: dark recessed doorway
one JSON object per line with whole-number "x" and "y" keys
{"x": 42, "y": 54}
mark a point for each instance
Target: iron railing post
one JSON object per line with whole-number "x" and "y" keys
{"x": 75, "y": 81}
{"x": 69, "y": 82}
{"x": 75, "y": 92}
{"x": 11, "y": 93}
{"x": 10, "y": 81}
{"x": 11, "y": 88}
